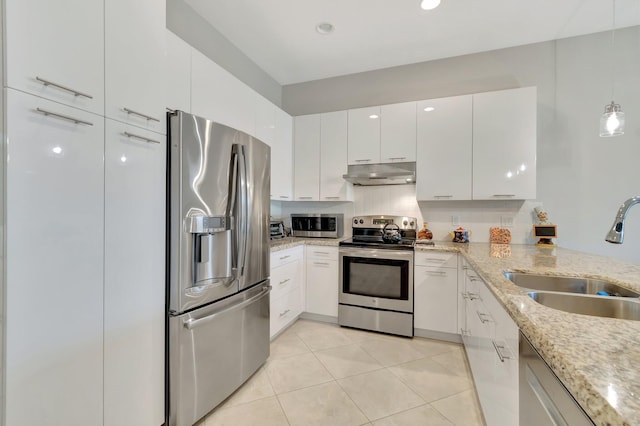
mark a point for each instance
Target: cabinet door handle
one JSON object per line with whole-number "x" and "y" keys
{"x": 499, "y": 348}
{"x": 61, "y": 87}
{"x": 504, "y": 195}
{"x": 332, "y": 198}
{"x": 284, "y": 196}
{"x": 305, "y": 198}
{"x": 397, "y": 158}
{"x": 284, "y": 281}
{"x": 285, "y": 257}
{"x": 363, "y": 161}
{"x": 432, "y": 260}
{"x": 142, "y": 138}
{"x": 473, "y": 296}
{"x": 139, "y": 114}
{"x": 285, "y": 313}
{"x": 63, "y": 117}
{"x": 484, "y": 318}
{"x": 436, "y": 273}
{"x": 321, "y": 263}
{"x": 321, "y": 252}
{"x": 474, "y": 279}
{"x": 443, "y": 196}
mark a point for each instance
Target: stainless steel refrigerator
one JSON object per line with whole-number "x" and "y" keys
{"x": 218, "y": 184}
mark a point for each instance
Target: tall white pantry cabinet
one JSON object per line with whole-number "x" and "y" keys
{"x": 85, "y": 158}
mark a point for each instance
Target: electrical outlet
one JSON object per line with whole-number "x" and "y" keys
{"x": 506, "y": 221}
{"x": 455, "y": 220}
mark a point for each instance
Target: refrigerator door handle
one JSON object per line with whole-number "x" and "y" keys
{"x": 243, "y": 222}
{"x": 193, "y": 323}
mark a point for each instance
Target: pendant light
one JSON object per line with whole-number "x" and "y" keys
{"x": 612, "y": 120}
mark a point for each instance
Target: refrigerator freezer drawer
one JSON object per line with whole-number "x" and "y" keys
{"x": 213, "y": 350}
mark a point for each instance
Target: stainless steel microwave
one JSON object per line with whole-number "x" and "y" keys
{"x": 325, "y": 225}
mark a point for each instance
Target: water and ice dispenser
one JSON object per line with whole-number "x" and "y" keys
{"x": 212, "y": 249}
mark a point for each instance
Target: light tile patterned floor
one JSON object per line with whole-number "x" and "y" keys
{"x": 322, "y": 374}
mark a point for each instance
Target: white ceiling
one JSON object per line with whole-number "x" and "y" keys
{"x": 280, "y": 37}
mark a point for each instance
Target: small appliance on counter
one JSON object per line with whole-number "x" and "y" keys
{"x": 276, "y": 229}
{"x": 325, "y": 225}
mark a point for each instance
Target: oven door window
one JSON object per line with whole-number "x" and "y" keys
{"x": 384, "y": 278}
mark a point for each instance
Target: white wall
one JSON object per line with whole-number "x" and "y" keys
{"x": 195, "y": 30}
{"x": 582, "y": 178}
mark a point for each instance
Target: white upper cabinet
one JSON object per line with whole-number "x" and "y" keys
{"x": 219, "y": 96}
{"x": 178, "y": 73}
{"x": 444, "y": 149}
{"x": 398, "y": 132}
{"x": 55, "y": 49}
{"x": 504, "y": 144}
{"x": 306, "y": 158}
{"x": 364, "y": 135}
{"x": 135, "y": 37}
{"x": 282, "y": 158}
{"x": 54, "y": 266}
{"x": 333, "y": 157}
{"x": 265, "y": 120}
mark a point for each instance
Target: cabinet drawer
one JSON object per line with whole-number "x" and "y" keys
{"x": 438, "y": 259}
{"x": 285, "y": 278}
{"x": 282, "y": 257}
{"x": 285, "y": 309}
{"x": 322, "y": 252}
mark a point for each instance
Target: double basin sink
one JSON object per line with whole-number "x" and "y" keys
{"x": 578, "y": 295}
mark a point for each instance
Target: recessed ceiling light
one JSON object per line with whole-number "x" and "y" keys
{"x": 429, "y": 109}
{"x": 429, "y": 4}
{"x": 373, "y": 116}
{"x": 324, "y": 28}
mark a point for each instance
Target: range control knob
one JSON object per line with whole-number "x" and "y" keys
{"x": 411, "y": 224}
{"x": 355, "y": 221}
{"x": 405, "y": 223}
{"x": 361, "y": 221}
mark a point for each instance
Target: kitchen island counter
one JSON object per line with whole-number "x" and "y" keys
{"x": 598, "y": 359}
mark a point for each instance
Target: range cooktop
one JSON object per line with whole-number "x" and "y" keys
{"x": 383, "y": 232}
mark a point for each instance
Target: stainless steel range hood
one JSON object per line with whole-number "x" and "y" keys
{"x": 381, "y": 174}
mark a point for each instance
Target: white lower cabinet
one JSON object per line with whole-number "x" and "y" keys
{"x": 322, "y": 281}
{"x": 491, "y": 342}
{"x": 287, "y": 282}
{"x": 54, "y": 263}
{"x": 134, "y": 301}
{"x": 436, "y": 292}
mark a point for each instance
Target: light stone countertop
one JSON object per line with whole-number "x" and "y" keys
{"x": 598, "y": 359}
{"x": 288, "y": 242}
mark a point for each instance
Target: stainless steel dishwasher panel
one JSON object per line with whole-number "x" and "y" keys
{"x": 213, "y": 350}
{"x": 543, "y": 398}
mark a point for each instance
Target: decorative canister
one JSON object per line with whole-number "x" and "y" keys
{"x": 460, "y": 235}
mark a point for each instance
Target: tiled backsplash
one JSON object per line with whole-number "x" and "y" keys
{"x": 400, "y": 200}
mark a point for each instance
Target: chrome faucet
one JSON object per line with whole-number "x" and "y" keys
{"x": 616, "y": 234}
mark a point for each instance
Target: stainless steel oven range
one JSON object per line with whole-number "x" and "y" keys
{"x": 376, "y": 275}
